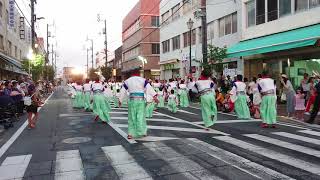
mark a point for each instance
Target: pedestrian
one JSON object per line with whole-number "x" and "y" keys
{"x": 268, "y": 105}
{"x": 100, "y": 106}
{"x": 305, "y": 85}
{"x": 172, "y": 102}
{"x": 316, "y": 104}
{"x": 299, "y": 104}
{"x": 251, "y": 87}
{"x": 289, "y": 92}
{"x": 136, "y": 87}
{"x": 87, "y": 87}
{"x": 241, "y": 105}
{"x": 183, "y": 95}
{"x": 190, "y": 85}
{"x": 32, "y": 109}
{"x": 207, "y": 98}
{"x": 310, "y": 103}
{"x": 78, "y": 100}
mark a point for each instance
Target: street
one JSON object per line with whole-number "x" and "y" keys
{"x": 68, "y": 144}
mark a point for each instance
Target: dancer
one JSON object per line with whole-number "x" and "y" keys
{"x": 78, "y": 100}
{"x": 160, "y": 98}
{"x": 183, "y": 94}
{"x": 172, "y": 102}
{"x": 87, "y": 95}
{"x": 101, "y": 106}
{"x": 116, "y": 99}
{"x": 150, "y": 102}
{"x": 241, "y": 106}
{"x": 207, "y": 97}
{"x": 268, "y": 109}
{"x": 136, "y": 86}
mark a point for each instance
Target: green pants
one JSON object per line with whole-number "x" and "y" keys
{"x": 268, "y": 109}
{"x": 161, "y": 101}
{"x": 101, "y": 107}
{"x": 149, "y": 109}
{"x": 86, "y": 101}
{"x": 172, "y": 105}
{"x": 184, "y": 101}
{"x": 78, "y": 100}
{"x": 208, "y": 109}
{"x": 116, "y": 102}
{"x": 241, "y": 107}
{"x": 137, "y": 125}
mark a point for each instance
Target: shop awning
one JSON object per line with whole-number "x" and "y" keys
{"x": 302, "y": 37}
{"x": 171, "y": 61}
{"x": 12, "y": 64}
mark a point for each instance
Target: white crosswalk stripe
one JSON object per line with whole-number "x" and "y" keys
{"x": 310, "y": 132}
{"x": 298, "y": 137}
{"x": 124, "y": 164}
{"x": 291, "y": 161}
{"x": 237, "y": 161}
{"x": 284, "y": 144}
{"x": 69, "y": 165}
{"x": 14, "y": 167}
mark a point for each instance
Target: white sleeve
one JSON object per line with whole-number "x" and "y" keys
{"x": 150, "y": 91}
{"x": 123, "y": 94}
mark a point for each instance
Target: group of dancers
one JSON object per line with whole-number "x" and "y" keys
{"x": 142, "y": 97}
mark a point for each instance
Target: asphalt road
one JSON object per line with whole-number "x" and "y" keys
{"x": 67, "y": 144}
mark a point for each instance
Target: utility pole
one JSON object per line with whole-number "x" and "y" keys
{"x": 32, "y": 25}
{"x": 52, "y": 58}
{"x": 204, "y": 31}
{"x": 47, "y": 54}
{"x": 92, "y": 52}
{"x": 87, "y": 62}
{"x": 105, "y": 41}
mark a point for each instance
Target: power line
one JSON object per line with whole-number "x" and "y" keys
{"x": 22, "y": 13}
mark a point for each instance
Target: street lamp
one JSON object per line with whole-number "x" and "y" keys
{"x": 190, "y": 25}
{"x": 144, "y": 61}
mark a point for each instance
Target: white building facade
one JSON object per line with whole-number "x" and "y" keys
{"x": 223, "y": 19}
{"x": 15, "y": 40}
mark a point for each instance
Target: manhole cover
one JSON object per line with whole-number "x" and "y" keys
{"x": 77, "y": 140}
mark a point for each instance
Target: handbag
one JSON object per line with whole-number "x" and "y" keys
{"x": 283, "y": 97}
{"x": 27, "y": 100}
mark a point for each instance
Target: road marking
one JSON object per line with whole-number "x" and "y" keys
{"x": 230, "y": 121}
{"x": 167, "y": 128}
{"x": 119, "y": 109}
{"x": 290, "y": 125}
{"x": 291, "y": 161}
{"x": 286, "y": 145}
{"x": 151, "y": 119}
{"x": 69, "y": 165}
{"x": 13, "y": 138}
{"x": 124, "y": 164}
{"x": 237, "y": 161}
{"x": 314, "y": 133}
{"x": 14, "y": 167}
{"x": 75, "y": 114}
{"x": 188, "y": 122}
{"x": 183, "y": 111}
{"x": 155, "y": 138}
{"x": 297, "y": 137}
{"x": 122, "y": 133}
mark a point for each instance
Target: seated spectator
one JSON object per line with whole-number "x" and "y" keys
{"x": 219, "y": 100}
{"x": 228, "y": 105}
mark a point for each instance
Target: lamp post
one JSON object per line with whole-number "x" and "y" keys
{"x": 190, "y": 25}
{"x": 144, "y": 61}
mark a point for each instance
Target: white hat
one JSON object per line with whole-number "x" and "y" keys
{"x": 284, "y": 76}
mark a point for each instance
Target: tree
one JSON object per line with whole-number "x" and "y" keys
{"x": 106, "y": 72}
{"x": 217, "y": 54}
{"x": 36, "y": 65}
{"x": 49, "y": 70}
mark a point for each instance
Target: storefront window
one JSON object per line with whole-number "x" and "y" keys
{"x": 251, "y": 13}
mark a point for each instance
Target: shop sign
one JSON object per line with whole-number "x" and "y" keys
{"x": 231, "y": 72}
{"x": 11, "y": 14}
{"x": 169, "y": 66}
{"x": 155, "y": 73}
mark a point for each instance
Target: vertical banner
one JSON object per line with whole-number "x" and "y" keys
{"x": 11, "y": 14}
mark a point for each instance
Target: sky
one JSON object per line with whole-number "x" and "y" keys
{"x": 71, "y": 21}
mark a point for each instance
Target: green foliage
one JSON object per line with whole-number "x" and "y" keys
{"x": 36, "y": 66}
{"x": 216, "y": 54}
{"x": 92, "y": 74}
{"x": 106, "y": 72}
{"x": 49, "y": 71}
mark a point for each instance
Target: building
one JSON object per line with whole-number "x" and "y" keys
{"x": 15, "y": 40}
{"x": 140, "y": 37}
{"x": 223, "y": 20}
{"x": 281, "y": 36}
{"x": 118, "y": 63}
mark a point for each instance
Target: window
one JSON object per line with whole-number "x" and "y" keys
{"x": 165, "y": 46}
{"x": 314, "y": 3}
{"x": 234, "y": 22}
{"x": 1, "y": 42}
{"x": 176, "y": 42}
{"x": 1, "y": 9}
{"x": 193, "y": 37}
{"x": 165, "y": 17}
{"x": 228, "y": 24}
{"x": 15, "y": 51}
{"x": 251, "y": 13}
{"x": 210, "y": 30}
{"x": 186, "y": 39}
{"x": 175, "y": 12}
{"x": 155, "y": 21}
{"x": 260, "y": 10}
{"x": 272, "y": 10}
{"x": 301, "y": 5}
{"x": 186, "y": 7}
{"x": 9, "y": 48}
{"x": 155, "y": 48}
{"x": 284, "y": 7}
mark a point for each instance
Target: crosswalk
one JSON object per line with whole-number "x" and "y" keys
{"x": 278, "y": 155}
